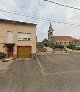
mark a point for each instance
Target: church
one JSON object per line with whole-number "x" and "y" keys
{"x": 58, "y": 40}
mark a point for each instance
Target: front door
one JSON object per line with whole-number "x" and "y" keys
{"x": 10, "y": 51}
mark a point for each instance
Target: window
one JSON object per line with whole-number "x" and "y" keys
{"x": 28, "y": 38}
{"x": 60, "y": 42}
{"x": 10, "y": 37}
{"x": 69, "y": 42}
{"x": 24, "y": 36}
{"x": 50, "y": 33}
{"x": 65, "y": 42}
{"x": 50, "y": 37}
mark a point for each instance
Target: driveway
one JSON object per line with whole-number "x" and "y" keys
{"x": 48, "y": 73}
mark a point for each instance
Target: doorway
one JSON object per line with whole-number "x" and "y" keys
{"x": 10, "y": 51}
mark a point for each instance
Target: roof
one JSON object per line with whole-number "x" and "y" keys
{"x": 16, "y": 22}
{"x": 63, "y": 38}
{"x": 76, "y": 40}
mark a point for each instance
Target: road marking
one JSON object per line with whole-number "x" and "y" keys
{"x": 67, "y": 72}
{"x": 42, "y": 70}
{"x": 56, "y": 73}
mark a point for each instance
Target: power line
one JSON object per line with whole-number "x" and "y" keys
{"x": 25, "y": 14}
{"x": 63, "y": 5}
{"x": 39, "y": 18}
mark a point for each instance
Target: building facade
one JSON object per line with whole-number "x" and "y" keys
{"x": 63, "y": 40}
{"x": 17, "y": 39}
{"x": 76, "y": 42}
{"x": 58, "y": 40}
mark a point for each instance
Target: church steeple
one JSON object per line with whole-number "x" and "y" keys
{"x": 50, "y": 27}
{"x": 50, "y": 33}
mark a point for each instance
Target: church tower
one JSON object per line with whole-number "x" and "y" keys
{"x": 50, "y": 33}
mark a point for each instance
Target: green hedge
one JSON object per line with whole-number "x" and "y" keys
{"x": 2, "y": 55}
{"x": 59, "y": 46}
{"x": 73, "y": 47}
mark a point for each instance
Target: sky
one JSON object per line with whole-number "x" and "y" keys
{"x": 27, "y": 9}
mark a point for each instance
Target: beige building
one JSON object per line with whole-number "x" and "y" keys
{"x": 63, "y": 40}
{"x": 76, "y": 42}
{"x": 17, "y": 39}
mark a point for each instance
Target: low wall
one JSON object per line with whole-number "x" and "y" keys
{"x": 72, "y": 51}
{"x": 45, "y": 53}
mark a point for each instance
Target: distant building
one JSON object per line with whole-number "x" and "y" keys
{"x": 60, "y": 40}
{"x": 45, "y": 42}
{"x": 76, "y": 42}
{"x": 63, "y": 40}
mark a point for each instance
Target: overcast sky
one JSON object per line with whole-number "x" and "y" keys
{"x": 46, "y": 10}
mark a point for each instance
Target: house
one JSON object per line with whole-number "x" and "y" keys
{"x": 76, "y": 42}
{"x": 17, "y": 39}
{"x": 58, "y": 40}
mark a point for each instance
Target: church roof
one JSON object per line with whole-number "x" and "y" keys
{"x": 63, "y": 38}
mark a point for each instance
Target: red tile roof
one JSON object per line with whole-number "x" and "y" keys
{"x": 63, "y": 38}
{"x": 76, "y": 40}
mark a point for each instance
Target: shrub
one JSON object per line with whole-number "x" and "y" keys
{"x": 52, "y": 47}
{"x": 71, "y": 46}
{"x": 2, "y": 55}
{"x": 59, "y": 46}
{"x": 78, "y": 48}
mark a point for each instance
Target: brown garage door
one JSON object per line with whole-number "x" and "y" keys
{"x": 24, "y": 51}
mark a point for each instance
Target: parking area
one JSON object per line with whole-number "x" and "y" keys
{"x": 48, "y": 73}
{"x": 56, "y": 64}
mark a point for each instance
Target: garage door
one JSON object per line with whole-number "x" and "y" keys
{"x": 24, "y": 51}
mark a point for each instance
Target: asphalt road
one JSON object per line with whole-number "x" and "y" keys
{"x": 49, "y": 73}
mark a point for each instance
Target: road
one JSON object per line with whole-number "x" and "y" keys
{"x": 49, "y": 73}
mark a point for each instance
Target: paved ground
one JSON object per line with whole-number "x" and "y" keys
{"x": 49, "y": 73}
{"x": 4, "y": 65}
